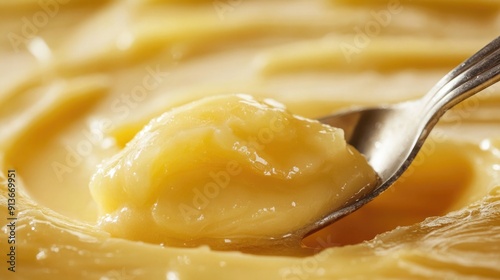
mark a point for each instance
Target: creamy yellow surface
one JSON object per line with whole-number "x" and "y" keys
{"x": 227, "y": 171}
{"x": 78, "y": 79}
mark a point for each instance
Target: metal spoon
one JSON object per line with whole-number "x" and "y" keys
{"x": 391, "y": 136}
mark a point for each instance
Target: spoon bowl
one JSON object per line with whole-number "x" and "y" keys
{"x": 391, "y": 136}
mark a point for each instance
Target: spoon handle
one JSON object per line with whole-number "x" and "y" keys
{"x": 473, "y": 75}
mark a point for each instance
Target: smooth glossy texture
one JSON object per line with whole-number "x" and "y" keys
{"x": 391, "y": 136}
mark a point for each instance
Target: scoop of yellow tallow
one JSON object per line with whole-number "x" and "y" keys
{"x": 226, "y": 169}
